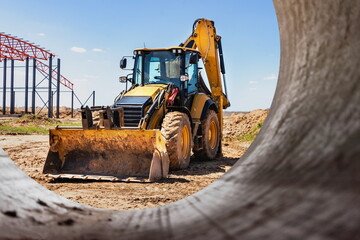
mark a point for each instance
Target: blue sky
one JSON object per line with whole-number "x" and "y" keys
{"x": 90, "y": 37}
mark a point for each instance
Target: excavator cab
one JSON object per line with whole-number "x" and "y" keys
{"x": 163, "y": 66}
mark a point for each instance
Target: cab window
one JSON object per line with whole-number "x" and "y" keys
{"x": 191, "y": 71}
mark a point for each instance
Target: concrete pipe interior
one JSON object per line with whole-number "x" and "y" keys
{"x": 299, "y": 179}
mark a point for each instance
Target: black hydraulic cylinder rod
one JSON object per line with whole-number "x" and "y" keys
{"x": 93, "y": 98}
{"x": 72, "y": 103}
{"x": 4, "y": 87}
{"x": 33, "y": 87}
{"x": 49, "y": 89}
{"x": 222, "y": 65}
{"x": 26, "y": 84}
{"x": 58, "y": 89}
{"x": 12, "y": 92}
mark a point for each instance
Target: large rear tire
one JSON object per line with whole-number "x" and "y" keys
{"x": 210, "y": 140}
{"x": 177, "y": 132}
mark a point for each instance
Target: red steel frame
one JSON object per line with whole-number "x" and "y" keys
{"x": 17, "y": 49}
{"x": 45, "y": 69}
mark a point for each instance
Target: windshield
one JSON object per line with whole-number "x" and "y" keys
{"x": 158, "y": 67}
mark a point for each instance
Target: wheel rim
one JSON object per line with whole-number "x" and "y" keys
{"x": 212, "y": 135}
{"x": 185, "y": 140}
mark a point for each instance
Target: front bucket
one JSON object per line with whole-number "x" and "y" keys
{"x": 110, "y": 154}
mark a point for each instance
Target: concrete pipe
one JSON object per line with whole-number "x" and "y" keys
{"x": 300, "y": 179}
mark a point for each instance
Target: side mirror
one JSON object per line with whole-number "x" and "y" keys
{"x": 194, "y": 58}
{"x": 123, "y": 63}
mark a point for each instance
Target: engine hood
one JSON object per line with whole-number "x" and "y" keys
{"x": 146, "y": 91}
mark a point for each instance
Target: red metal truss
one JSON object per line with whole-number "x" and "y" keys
{"x": 45, "y": 69}
{"x": 18, "y": 49}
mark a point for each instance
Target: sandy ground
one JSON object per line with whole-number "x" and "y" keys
{"x": 29, "y": 153}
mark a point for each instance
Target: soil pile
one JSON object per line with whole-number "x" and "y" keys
{"x": 242, "y": 123}
{"x": 65, "y": 112}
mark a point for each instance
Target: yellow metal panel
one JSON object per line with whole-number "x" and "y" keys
{"x": 198, "y": 105}
{"x": 148, "y": 90}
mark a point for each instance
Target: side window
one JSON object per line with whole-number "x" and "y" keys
{"x": 154, "y": 71}
{"x": 191, "y": 71}
{"x": 138, "y": 70}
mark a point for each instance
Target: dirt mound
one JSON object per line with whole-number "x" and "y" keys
{"x": 65, "y": 112}
{"x": 33, "y": 124}
{"x": 239, "y": 124}
{"x": 34, "y": 119}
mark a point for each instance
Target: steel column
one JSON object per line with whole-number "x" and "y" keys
{"x": 4, "y": 87}
{"x": 72, "y": 103}
{"x": 12, "y": 92}
{"x": 58, "y": 90}
{"x": 50, "y": 113}
{"x": 26, "y": 84}
{"x": 33, "y": 87}
{"x": 93, "y": 98}
{"x": 52, "y": 102}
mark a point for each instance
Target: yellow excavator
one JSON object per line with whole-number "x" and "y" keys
{"x": 167, "y": 113}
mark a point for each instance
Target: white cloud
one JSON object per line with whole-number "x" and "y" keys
{"x": 41, "y": 34}
{"x": 271, "y": 77}
{"x": 97, "y": 50}
{"x": 78, "y": 49}
{"x": 253, "y": 82}
{"x": 252, "y": 89}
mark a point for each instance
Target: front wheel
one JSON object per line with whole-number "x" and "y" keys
{"x": 176, "y": 130}
{"x": 210, "y": 140}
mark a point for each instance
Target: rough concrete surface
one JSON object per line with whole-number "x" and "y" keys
{"x": 298, "y": 180}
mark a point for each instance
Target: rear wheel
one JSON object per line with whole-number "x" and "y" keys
{"x": 210, "y": 140}
{"x": 177, "y": 132}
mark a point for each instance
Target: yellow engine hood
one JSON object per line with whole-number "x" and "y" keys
{"x": 148, "y": 90}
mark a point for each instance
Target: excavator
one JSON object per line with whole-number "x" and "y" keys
{"x": 166, "y": 114}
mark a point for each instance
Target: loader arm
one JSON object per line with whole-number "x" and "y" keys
{"x": 208, "y": 43}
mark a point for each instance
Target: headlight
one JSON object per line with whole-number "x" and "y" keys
{"x": 123, "y": 79}
{"x": 184, "y": 78}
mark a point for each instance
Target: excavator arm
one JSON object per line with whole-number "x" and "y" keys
{"x": 208, "y": 43}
